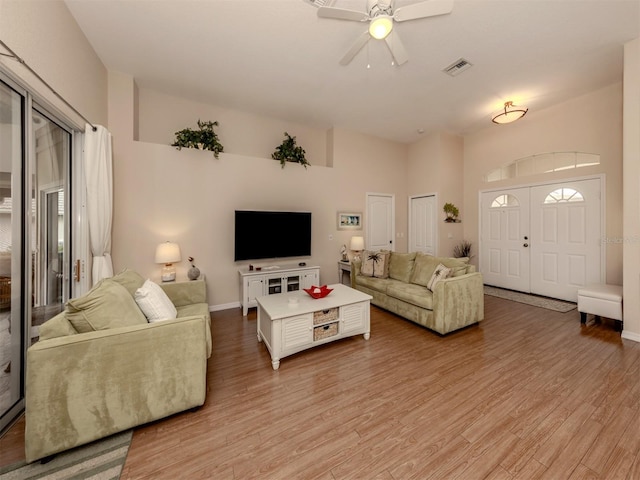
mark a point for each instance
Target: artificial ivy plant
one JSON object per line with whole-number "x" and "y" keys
{"x": 288, "y": 151}
{"x": 203, "y": 139}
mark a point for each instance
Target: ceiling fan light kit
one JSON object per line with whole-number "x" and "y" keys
{"x": 510, "y": 113}
{"x": 380, "y": 27}
{"x": 381, "y": 15}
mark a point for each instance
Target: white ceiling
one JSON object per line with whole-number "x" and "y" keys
{"x": 277, "y": 58}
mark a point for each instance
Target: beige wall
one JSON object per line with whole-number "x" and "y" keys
{"x": 160, "y": 116}
{"x": 47, "y": 37}
{"x": 189, "y": 197}
{"x": 435, "y": 166}
{"x": 631, "y": 165}
{"x": 591, "y": 123}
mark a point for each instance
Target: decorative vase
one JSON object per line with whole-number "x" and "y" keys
{"x": 193, "y": 273}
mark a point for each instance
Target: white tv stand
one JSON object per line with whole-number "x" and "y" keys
{"x": 270, "y": 280}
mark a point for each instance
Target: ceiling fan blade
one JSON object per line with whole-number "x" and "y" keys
{"x": 342, "y": 14}
{"x": 397, "y": 48}
{"x": 430, "y": 8}
{"x": 360, "y": 42}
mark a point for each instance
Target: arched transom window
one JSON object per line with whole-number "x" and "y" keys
{"x": 506, "y": 200}
{"x": 564, "y": 195}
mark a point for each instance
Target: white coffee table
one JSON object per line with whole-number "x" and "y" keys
{"x": 291, "y": 322}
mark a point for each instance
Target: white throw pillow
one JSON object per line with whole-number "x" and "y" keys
{"x": 440, "y": 273}
{"x": 154, "y": 303}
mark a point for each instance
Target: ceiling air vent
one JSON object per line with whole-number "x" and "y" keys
{"x": 457, "y": 67}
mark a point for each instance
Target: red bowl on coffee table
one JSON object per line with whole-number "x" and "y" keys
{"x": 318, "y": 292}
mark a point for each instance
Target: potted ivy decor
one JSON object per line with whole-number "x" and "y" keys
{"x": 451, "y": 212}
{"x": 205, "y": 138}
{"x": 289, "y": 151}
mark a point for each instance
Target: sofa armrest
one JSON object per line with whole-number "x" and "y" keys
{"x": 186, "y": 293}
{"x": 458, "y": 302}
{"x": 355, "y": 269}
{"x": 87, "y": 386}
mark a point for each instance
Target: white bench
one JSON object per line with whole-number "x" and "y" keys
{"x": 602, "y": 301}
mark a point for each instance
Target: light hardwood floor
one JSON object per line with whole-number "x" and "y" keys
{"x": 527, "y": 394}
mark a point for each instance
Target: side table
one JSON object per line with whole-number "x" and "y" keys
{"x": 342, "y": 268}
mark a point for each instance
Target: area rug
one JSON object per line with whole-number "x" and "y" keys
{"x": 535, "y": 300}
{"x": 100, "y": 460}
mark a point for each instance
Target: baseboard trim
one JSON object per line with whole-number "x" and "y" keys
{"x": 224, "y": 306}
{"x": 630, "y": 336}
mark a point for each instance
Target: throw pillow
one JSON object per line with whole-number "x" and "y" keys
{"x": 440, "y": 273}
{"x": 154, "y": 303}
{"x": 107, "y": 305}
{"x": 366, "y": 264}
{"x": 375, "y": 264}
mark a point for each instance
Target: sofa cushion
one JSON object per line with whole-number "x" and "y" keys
{"x": 130, "y": 280}
{"x": 375, "y": 264}
{"x": 440, "y": 273}
{"x": 379, "y": 284}
{"x": 458, "y": 266}
{"x": 425, "y": 265}
{"x": 107, "y": 305}
{"x": 423, "y": 270}
{"x": 57, "y": 326}
{"x": 401, "y": 266}
{"x": 411, "y": 293}
{"x": 154, "y": 303}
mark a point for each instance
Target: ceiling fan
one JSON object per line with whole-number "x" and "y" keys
{"x": 381, "y": 16}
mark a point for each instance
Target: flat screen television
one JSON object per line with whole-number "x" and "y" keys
{"x": 268, "y": 234}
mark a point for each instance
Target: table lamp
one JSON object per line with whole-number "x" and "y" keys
{"x": 357, "y": 245}
{"x": 167, "y": 253}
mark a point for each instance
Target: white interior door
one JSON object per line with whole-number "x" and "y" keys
{"x": 565, "y": 233}
{"x": 504, "y": 251}
{"x": 422, "y": 226}
{"x": 380, "y": 222}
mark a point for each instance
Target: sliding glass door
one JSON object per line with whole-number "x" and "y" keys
{"x": 52, "y": 158}
{"x": 12, "y": 159}
{"x": 35, "y": 166}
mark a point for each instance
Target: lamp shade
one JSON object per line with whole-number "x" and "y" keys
{"x": 168, "y": 252}
{"x": 510, "y": 113}
{"x": 357, "y": 243}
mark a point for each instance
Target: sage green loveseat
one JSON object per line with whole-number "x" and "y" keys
{"x": 85, "y": 386}
{"x": 454, "y": 303}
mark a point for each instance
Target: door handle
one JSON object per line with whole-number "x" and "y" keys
{"x": 525, "y": 245}
{"x": 76, "y": 271}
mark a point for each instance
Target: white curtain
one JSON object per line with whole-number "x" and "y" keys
{"x": 99, "y": 178}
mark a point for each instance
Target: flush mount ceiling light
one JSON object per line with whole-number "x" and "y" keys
{"x": 510, "y": 113}
{"x": 381, "y": 26}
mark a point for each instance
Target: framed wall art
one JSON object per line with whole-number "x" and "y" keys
{"x": 349, "y": 221}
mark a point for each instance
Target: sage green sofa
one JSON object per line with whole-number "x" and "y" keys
{"x": 125, "y": 372}
{"x": 454, "y": 303}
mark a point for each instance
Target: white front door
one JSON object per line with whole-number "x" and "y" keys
{"x": 422, "y": 226}
{"x": 504, "y": 239}
{"x": 544, "y": 239}
{"x": 566, "y": 238}
{"x": 380, "y": 222}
